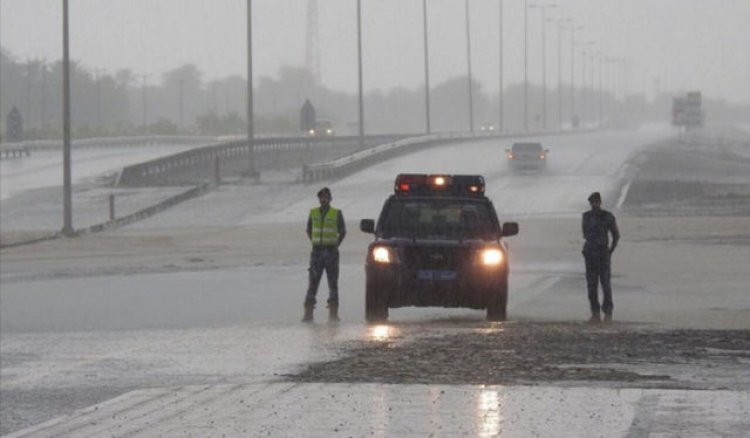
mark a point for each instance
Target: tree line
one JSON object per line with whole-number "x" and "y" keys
{"x": 181, "y": 102}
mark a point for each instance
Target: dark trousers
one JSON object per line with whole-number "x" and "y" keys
{"x": 323, "y": 258}
{"x": 597, "y": 271}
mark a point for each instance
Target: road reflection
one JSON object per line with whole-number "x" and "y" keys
{"x": 382, "y": 333}
{"x": 489, "y": 417}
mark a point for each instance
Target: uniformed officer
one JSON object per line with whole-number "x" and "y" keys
{"x": 597, "y": 224}
{"x": 326, "y": 230}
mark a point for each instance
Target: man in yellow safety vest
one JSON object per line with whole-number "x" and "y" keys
{"x": 326, "y": 230}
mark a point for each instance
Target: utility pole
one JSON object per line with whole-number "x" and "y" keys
{"x": 468, "y": 62}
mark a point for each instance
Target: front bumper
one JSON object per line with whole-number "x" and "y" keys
{"x": 471, "y": 287}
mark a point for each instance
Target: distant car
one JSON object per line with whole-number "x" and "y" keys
{"x": 322, "y": 128}
{"x": 527, "y": 155}
{"x": 487, "y": 127}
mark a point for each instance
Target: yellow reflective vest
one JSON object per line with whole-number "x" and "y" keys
{"x": 325, "y": 230}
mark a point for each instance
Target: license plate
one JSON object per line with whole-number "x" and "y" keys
{"x": 436, "y": 275}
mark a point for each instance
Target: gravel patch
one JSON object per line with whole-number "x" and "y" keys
{"x": 578, "y": 354}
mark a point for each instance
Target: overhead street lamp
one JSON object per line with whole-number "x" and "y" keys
{"x": 543, "y": 8}
{"x": 573, "y": 30}
{"x": 468, "y": 62}
{"x": 359, "y": 76}
{"x": 426, "y": 68}
{"x": 525, "y": 65}
{"x": 68, "y": 229}
{"x": 501, "y": 101}
{"x": 560, "y": 28}
{"x": 252, "y": 171}
{"x": 145, "y": 104}
{"x": 583, "y": 46}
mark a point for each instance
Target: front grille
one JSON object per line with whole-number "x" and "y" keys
{"x": 437, "y": 257}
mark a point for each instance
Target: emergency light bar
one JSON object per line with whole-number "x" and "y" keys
{"x": 423, "y": 184}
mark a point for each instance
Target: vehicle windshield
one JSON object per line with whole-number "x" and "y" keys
{"x": 438, "y": 219}
{"x": 527, "y": 147}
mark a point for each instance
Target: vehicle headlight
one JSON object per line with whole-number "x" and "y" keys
{"x": 381, "y": 254}
{"x": 492, "y": 257}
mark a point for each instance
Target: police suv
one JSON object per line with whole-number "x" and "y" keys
{"x": 438, "y": 242}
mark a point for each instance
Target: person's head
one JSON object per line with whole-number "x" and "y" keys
{"x": 595, "y": 199}
{"x": 324, "y": 196}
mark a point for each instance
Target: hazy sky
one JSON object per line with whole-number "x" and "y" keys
{"x": 669, "y": 44}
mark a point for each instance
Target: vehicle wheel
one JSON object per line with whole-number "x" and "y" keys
{"x": 376, "y": 304}
{"x": 497, "y": 306}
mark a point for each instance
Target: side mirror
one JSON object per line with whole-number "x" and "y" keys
{"x": 367, "y": 226}
{"x": 510, "y": 229}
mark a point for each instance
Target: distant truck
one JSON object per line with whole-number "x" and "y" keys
{"x": 687, "y": 111}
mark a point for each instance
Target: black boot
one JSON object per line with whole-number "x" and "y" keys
{"x": 308, "y": 317}
{"x": 333, "y": 312}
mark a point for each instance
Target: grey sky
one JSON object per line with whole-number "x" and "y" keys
{"x": 670, "y": 44}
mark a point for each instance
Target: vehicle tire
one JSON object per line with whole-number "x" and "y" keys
{"x": 498, "y": 304}
{"x": 376, "y": 303}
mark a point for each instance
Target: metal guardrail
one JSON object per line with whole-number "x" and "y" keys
{"x": 232, "y": 158}
{"x": 115, "y": 142}
{"x": 346, "y": 165}
{"x": 14, "y": 150}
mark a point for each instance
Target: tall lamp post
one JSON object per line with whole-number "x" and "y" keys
{"x": 144, "y": 96}
{"x": 573, "y": 30}
{"x": 359, "y": 76}
{"x": 501, "y": 101}
{"x": 468, "y": 62}
{"x": 67, "y": 180}
{"x": 426, "y": 69}
{"x": 583, "y": 46}
{"x": 543, "y": 9}
{"x": 525, "y": 65}
{"x": 560, "y": 27}
{"x": 252, "y": 171}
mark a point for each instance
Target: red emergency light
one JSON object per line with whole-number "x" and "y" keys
{"x": 460, "y": 185}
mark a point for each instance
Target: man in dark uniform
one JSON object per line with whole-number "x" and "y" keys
{"x": 597, "y": 224}
{"x": 326, "y": 230}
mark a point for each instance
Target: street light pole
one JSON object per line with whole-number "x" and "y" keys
{"x": 468, "y": 62}
{"x": 145, "y": 106}
{"x": 573, "y": 72}
{"x": 543, "y": 9}
{"x": 252, "y": 171}
{"x": 359, "y": 75}
{"x": 525, "y": 65}
{"x": 501, "y": 101}
{"x": 67, "y": 180}
{"x": 559, "y": 72}
{"x": 426, "y": 68}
